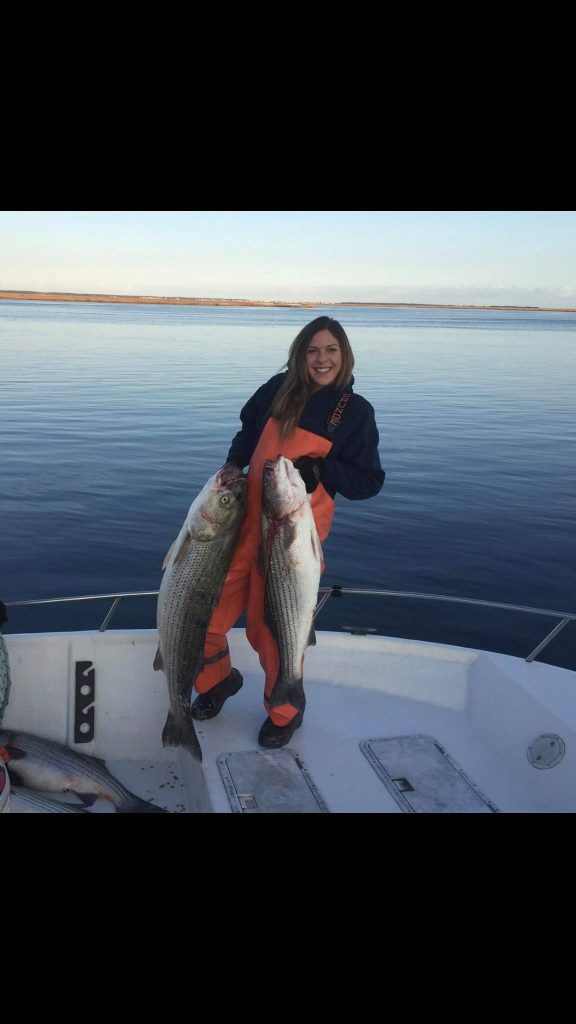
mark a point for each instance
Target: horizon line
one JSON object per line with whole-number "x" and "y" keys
{"x": 48, "y": 296}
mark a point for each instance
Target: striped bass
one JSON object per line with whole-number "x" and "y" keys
{"x": 194, "y": 572}
{"x": 28, "y": 801}
{"x": 54, "y": 768}
{"x": 291, "y": 562}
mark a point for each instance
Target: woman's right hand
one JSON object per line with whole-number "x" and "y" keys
{"x": 229, "y": 472}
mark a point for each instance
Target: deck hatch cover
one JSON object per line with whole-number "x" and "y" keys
{"x": 272, "y": 782}
{"x": 423, "y": 778}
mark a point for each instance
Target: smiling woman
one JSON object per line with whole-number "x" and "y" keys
{"x": 323, "y": 358}
{"x": 308, "y": 420}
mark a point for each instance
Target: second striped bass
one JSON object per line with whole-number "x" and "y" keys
{"x": 291, "y": 562}
{"x": 51, "y": 767}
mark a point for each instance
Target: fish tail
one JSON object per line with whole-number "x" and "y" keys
{"x": 288, "y": 692}
{"x": 179, "y": 731}
{"x": 295, "y": 695}
{"x": 138, "y": 806}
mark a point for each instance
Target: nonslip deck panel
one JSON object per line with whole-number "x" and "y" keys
{"x": 423, "y": 778}
{"x": 271, "y": 782}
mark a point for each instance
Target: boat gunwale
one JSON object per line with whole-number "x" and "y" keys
{"x": 334, "y": 591}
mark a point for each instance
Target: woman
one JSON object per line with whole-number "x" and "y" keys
{"x": 311, "y": 416}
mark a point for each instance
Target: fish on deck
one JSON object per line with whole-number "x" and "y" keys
{"x": 52, "y": 767}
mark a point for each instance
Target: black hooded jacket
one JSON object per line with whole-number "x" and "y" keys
{"x": 352, "y": 467}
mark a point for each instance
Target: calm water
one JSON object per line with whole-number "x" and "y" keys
{"x": 113, "y": 416}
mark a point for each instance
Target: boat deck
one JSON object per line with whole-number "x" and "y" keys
{"x": 391, "y": 726}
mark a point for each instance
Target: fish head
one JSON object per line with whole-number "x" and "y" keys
{"x": 224, "y": 503}
{"x": 227, "y": 474}
{"x": 236, "y": 485}
{"x": 283, "y": 489}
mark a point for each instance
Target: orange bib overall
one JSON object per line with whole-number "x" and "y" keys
{"x": 244, "y": 585}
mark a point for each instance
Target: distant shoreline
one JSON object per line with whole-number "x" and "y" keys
{"x": 157, "y": 300}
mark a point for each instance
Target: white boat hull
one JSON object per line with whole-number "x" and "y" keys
{"x": 486, "y": 718}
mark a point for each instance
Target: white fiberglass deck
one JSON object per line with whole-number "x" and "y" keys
{"x": 483, "y": 710}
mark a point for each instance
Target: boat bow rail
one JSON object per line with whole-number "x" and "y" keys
{"x": 338, "y": 591}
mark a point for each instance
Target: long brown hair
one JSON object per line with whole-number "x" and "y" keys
{"x": 289, "y": 403}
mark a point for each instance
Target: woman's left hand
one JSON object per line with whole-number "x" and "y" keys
{"x": 311, "y": 470}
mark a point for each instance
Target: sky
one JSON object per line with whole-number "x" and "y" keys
{"x": 521, "y": 258}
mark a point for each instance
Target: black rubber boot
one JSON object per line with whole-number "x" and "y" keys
{"x": 273, "y": 736}
{"x": 210, "y": 704}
